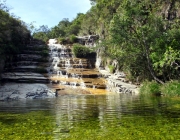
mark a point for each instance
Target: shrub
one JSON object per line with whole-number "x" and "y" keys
{"x": 62, "y": 40}
{"x": 171, "y": 88}
{"x": 81, "y": 51}
{"x": 152, "y": 88}
{"x": 73, "y": 39}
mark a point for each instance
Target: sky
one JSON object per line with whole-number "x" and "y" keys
{"x": 47, "y": 12}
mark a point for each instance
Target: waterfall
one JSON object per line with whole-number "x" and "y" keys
{"x": 73, "y": 84}
{"x": 66, "y": 68}
{"x": 80, "y": 63}
{"x": 59, "y": 73}
{"x": 82, "y": 84}
{"x": 68, "y": 64}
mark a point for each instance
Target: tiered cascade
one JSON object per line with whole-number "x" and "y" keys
{"x": 67, "y": 70}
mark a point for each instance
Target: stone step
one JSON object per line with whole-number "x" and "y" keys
{"x": 26, "y": 77}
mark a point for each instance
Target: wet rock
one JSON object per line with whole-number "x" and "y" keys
{"x": 14, "y": 91}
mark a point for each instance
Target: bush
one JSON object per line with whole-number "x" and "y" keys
{"x": 152, "y": 88}
{"x": 62, "y": 40}
{"x": 73, "y": 39}
{"x": 171, "y": 88}
{"x": 81, "y": 51}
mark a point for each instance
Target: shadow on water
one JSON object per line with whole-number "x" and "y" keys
{"x": 110, "y": 116}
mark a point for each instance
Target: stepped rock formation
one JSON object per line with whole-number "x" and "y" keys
{"x": 66, "y": 70}
{"x": 85, "y": 73}
{"x": 24, "y": 78}
{"x": 36, "y": 75}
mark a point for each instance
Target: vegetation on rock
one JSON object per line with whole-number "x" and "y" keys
{"x": 81, "y": 51}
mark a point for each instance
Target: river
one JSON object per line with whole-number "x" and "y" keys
{"x": 91, "y": 117}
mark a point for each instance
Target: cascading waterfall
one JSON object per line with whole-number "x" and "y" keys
{"x": 68, "y": 64}
{"x": 82, "y": 84}
{"x": 80, "y": 63}
{"x": 72, "y": 71}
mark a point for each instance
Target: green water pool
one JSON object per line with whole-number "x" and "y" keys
{"x": 91, "y": 117}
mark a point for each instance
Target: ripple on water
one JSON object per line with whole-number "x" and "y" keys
{"x": 95, "y": 117}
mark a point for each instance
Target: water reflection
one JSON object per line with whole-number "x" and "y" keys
{"x": 103, "y": 116}
{"x": 79, "y": 109}
{"x": 25, "y": 106}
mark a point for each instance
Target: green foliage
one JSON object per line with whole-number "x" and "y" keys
{"x": 171, "y": 88}
{"x": 81, "y": 51}
{"x": 62, "y": 40}
{"x": 143, "y": 42}
{"x": 13, "y": 31}
{"x": 64, "y": 29}
{"x": 73, "y": 39}
{"x": 150, "y": 88}
{"x": 75, "y": 25}
{"x": 14, "y": 35}
{"x": 111, "y": 68}
{"x": 41, "y": 36}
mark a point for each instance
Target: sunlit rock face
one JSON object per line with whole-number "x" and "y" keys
{"x": 19, "y": 91}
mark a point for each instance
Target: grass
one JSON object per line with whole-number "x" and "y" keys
{"x": 151, "y": 88}
{"x": 171, "y": 88}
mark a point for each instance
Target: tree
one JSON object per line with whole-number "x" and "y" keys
{"x": 42, "y": 33}
{"x": 133, "y": 30}
{"x": 93, "y": 2}
{"x": 145, "y": 42}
